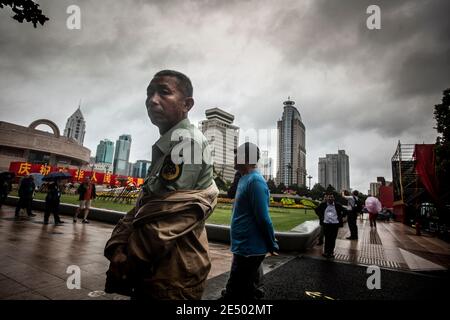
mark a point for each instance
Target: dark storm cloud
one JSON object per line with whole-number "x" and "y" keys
{"x": 410, "y": 55}
{"x": 356, "y": 89}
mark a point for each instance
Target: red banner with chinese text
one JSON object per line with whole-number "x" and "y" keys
{"x": 25, "y": 168}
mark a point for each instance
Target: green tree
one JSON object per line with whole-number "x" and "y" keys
{"x": 303, "y": 191}
{"x": 293, "y": 187}
{"x": 25, "y": 10}
{"x": 272, "y": 186}
{"x": 219, "y": 180}
{"x": 317, "y": 191}
{"x": 442, "y": 116}
{"x": 280, "y": 188}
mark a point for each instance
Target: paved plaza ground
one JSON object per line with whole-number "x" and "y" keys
{"x": 34, "y": 259}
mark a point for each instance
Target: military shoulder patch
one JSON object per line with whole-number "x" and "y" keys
{"x": 170, "y": 171}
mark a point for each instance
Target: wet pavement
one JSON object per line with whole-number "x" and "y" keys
{"x": 391, "y": 245}
{"x": 34, "y": 258}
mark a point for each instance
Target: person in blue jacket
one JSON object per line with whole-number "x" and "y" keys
{"x": 252, "y": 233}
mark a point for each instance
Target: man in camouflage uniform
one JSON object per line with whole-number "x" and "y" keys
{"x": 159, "y": 250}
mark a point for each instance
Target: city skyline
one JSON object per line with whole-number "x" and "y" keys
{"x": 360, "y": 90}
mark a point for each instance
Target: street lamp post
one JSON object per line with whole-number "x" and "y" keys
{"x": 309, "y": 178}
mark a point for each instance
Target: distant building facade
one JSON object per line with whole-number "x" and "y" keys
{"x": 334, "y": 170}
{"x": 103, "y": 167}
{"x": 223, "y": 138}
{"x": 76, "y": 127}
{"x": 291, "y": 165}
{"x": 122, "y": 155}
{"x": 27, "y": 144}
{"x": 105, "y": 152}
{"x": 374, "y": 189}
{"x": 140, "y": 168}
{"x": 265, "y": 165}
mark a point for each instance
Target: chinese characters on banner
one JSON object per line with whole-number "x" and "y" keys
{"x": 25, "y": 168}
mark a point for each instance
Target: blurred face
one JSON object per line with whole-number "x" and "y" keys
{"x": 330, "y": 198}
{"x": 239, "y": 167}
{"x": 166, "y": 103}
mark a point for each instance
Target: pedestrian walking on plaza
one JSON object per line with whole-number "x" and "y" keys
{"x": 159, "y": 250}
{"x": 330, "y": 215}
{"x": 86, "y": 190}
{"x": 252, "y": 233}
{"x": 5, "y": 185}
{"x": 26, "y": 193}
{"x": 353, "y": 209}
{"x": 373, "y": 206}
{"x": 52, "y": 201}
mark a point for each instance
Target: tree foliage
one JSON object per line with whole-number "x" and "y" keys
{"x": 442, "y": 116}
{"x": 317, "y": 192}
{"x": 219, "y": 180}
{"x": 26, "y": 10}
{"x": 272, "y": 186}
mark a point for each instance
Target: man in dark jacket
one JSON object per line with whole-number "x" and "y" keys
{"x": 26, "y": 191}
{"x": 52, "y": 201}
{"x": 330, "y": 215}
{"x": 5, "y": 188}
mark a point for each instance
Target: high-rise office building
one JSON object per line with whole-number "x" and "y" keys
{"x": 265, "y": 165}
{"x": 374, "y": 189}
{"x": 291, "y": 166}
{"x": 140, "y": 168}
{"x": 334, "y": 170}
{"x": 105, "y": 152}
{"x": 223, "y": 138}
{"x": 122, "y": 155}
{"x": 76, "y": 127}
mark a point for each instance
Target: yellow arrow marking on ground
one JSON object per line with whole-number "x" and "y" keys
{"x": 317, "y": 295}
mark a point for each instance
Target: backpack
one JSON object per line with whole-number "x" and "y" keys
{"x": 357, "y": 206}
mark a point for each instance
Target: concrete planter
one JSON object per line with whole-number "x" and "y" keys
{"x": 299, "y": 239}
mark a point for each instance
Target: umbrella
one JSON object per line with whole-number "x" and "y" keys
{"x": 373, "y": 205}
{"x": 57, "y": 176}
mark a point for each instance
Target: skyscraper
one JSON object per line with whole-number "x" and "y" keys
{"x": 76, "y": 127}
{"x": 122, "y": 155}
{"x": 105, "y": 152}
{"x": 265, "y": 165}
{"x": 223, "y": 138}
{"x": 334, "y": 170}
{"x": 140, "y": 168}
{"x": 291, "y": 166}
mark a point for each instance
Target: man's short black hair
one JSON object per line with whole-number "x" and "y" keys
{"x": 356, "y": 193}
{"x": 184, "y": 83}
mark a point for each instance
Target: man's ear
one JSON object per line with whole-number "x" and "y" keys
{"x": 188, "y": 104}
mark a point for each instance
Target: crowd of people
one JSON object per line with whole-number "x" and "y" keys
{"x": 26, "y": 193}
{"x": 331, "y": 214}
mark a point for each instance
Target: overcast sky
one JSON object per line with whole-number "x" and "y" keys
{"x": 356, "y": 89}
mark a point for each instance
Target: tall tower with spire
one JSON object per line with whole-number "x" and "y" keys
{"x": 291, "y": 147}
{"x": 76, "y": 126}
